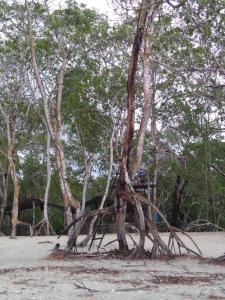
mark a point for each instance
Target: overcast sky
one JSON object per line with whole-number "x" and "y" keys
{"x": 103, "y": 6}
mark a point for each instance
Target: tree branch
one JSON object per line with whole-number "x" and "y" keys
{"x": 181, "y": 3}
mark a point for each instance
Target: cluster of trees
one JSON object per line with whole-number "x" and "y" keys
{"x": 84, "y": 103}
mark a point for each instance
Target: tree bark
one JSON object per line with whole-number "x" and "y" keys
{"x": 11, "y": 138}
{"x": 10, "y": 121}
{"x": 93, "y": 221}
{"x": 4, "y": 193}
{"x": 48, "y": 162}
{"x": 55, "y": 130}
{"x": 155, "y": 144}
{"x": 146, "y": 107}
{"x": 87, "y": 164}
{"x": 125, "y": 169}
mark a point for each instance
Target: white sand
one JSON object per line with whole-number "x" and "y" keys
{"x": 27, "y": 273}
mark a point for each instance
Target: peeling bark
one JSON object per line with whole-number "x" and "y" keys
{"x": 146, "y": 107}
{"x": 122, "y": 187}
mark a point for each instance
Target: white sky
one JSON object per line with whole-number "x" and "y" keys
{"x": 103, "y": 6}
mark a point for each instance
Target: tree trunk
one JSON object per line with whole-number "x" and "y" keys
{"x": 93, "y": 221}
{"x": 87, "y": 164}
{"x": 55, "y": 130}
{"x": 10, "y": 120}
{"x": 16, "y": 189}
{"x": 48, "y": 162}
{"x": 178, "y": 194}
{"x": 155, "y": 145}
{"x": 4, "y": 194}
{"x": 146, "y": 107}
{"x": 120, "y": 209}
{"x": 123, "y": 188}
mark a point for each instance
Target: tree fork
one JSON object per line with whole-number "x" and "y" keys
{"x": 124, "y": 165}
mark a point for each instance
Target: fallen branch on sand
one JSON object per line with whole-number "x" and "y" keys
{"x": 83, "y": 287}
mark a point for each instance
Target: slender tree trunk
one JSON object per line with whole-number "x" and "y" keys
{"x": 93, "y": 221}
{"x": 85, "y": 185}
{"x": 69, "y": 201}
{"x": 48, "y": 162}
{"x": 64, "y": 186}
{"x": 87, "y": 163}
{"x": 142, "y": 132}
{"x": 155, "y": 144}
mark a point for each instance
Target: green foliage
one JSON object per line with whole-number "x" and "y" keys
{"x": 187, "y": 63}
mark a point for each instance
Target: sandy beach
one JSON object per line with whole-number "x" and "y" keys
{"x": 27, "y": 272}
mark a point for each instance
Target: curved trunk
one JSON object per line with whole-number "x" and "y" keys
{"x": 123, "y": 190}
{"x": 55, "y": 130}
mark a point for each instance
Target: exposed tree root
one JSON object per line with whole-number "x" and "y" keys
{"x": 174, "y": 239}
{"x": 83, "y": 218}
{"x": 138, "y": 252}
{"x": 85, "y": 241}
{"x": 159, "y": 248}
{"x": 216, "y": 259}
{"x": 131, "y": 227}
{"x": 197, "y": 224}
{"x": 47, "y": 227}
{"x": 174, "y": 246}
{"x": 130, "y": 236}
{"x": 113, "y": 241}
{"x": 92, "y": 231}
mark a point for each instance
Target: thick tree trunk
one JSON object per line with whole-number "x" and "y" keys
{"x": 16, "y": 189}
{"x": 124, "y": 179}
{"x": 15, "y": 208}
{"x": 146, "y": 107}
{"x": 3, "y": 206}
{"x": 10, "y": 121}
{"x": 120, "y": 209}
{"x": 4, "y": 194}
